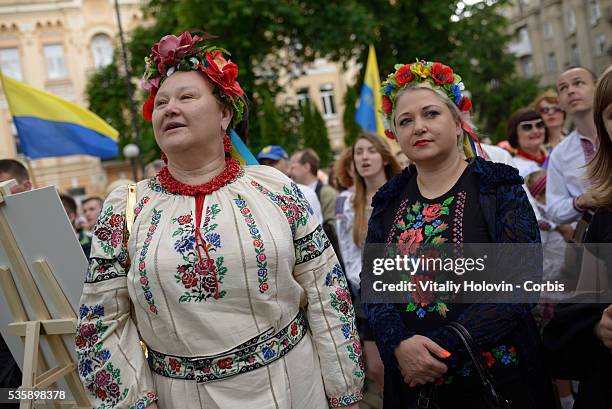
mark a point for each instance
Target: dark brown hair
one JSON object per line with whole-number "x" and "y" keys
{"x": 15, "y": 169}
{"x": 523, "y": 114}
{"x": 309, "y": 156}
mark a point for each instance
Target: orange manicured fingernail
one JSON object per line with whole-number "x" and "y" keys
{"x": 446, "y": 354}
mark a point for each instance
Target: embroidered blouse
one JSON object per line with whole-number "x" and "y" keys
{"x": 242, "y": 305}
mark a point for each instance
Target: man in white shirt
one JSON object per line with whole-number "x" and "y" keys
{"x": 275, "y": 156}
{"x": 566, "y": 188}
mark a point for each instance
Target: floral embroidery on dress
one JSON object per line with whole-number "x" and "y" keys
{"x": 144, "y": 401}
{"x": 311, "y": 246}
{"x": 254, "y": 353}
{"x": 341, "y": 302}
{"x": 345, "y": 400}
{"x": 109, "y": 231}
{"x": 502, "y": 354}
{"x": 199, "y": 283}
{"x": 295, "y": 208}
{"x": 141, "y": 204}
{"x": 142, "y": 268}
{"x": 418, "y": 227}
{"x": 258, "y": 244}
{"x": 103, "y": 384}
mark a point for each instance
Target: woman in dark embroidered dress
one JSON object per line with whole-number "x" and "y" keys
{"x": 444, "y": 198}
{"x": 226, "y": 275}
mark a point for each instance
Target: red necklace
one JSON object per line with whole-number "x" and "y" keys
{"x": 539, "y": 158}
{"x": 229, "y": 174}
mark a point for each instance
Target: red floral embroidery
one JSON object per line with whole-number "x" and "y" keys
{"x": 225, "y": 363}
{"x": 431, "y": 212}
{"x": 410, "y": 240}
{"x": 184, "y": 219}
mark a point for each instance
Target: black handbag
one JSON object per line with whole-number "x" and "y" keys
{"x": 493, "y": 399}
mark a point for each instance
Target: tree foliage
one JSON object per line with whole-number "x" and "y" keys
{"x": 270, "y": 40}
{"x": 314, "y": 133}
{"x": 351, "y": 128}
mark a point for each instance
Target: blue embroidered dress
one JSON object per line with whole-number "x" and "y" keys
{"x": 265, "y": 322}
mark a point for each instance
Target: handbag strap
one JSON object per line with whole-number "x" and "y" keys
{"x": 485, "y": 376}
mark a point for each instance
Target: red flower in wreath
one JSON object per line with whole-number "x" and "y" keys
{"x": 387, "y": 105}
{"x": 223, "y": 73}
{"x": 465, "y": 104}
{"x": 171, "y": 49}
{"x": 441, "y": 74}
{"x": 147, "y": 107}
{"x": 404, "y": 75}
{"x": 389, "y": 134}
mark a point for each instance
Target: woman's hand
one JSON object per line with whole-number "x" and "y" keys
{"x": 416, "y": 360}
{"x": 603, "y": 330}
{"x": 374, "y": 365}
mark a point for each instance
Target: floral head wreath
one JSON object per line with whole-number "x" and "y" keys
{"x": 184, "y": 53}
{"x": 438, "y": 77}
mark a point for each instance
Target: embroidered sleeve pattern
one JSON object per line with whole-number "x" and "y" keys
{"x": 330, "y": 315}
{"x": 111, "y": 363}
{"x": 296, "y": 209}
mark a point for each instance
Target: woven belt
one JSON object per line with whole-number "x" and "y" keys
{"x": 258, "y": 351}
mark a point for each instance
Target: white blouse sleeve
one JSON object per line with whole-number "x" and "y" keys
{"x": 111, "y": 362}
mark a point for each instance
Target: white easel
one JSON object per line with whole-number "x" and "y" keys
{"x": 36, "y": 371}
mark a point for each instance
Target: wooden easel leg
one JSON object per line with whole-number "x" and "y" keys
{"x": 30, "y": 360}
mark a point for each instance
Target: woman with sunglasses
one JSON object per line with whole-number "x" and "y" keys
{"x": 547, "y": 105}
{"x": 527, "y": 134}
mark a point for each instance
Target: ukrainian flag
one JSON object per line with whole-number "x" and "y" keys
{"x": 368, "y": 114}
{"x": 240, "y": 152}
{"x": 50, "y": 126}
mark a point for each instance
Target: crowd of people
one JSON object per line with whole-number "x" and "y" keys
{"x": 228, "y": 286}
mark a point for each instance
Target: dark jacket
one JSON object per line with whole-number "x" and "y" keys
{"x": 572, "y": 350}
{"x": 510, "y": 219}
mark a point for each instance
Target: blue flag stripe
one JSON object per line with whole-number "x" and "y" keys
{"x": 41, "y": 138}
{"x": 366, "y": 114}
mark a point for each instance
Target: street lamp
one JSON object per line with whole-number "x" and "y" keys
{"x": 131, "y": 152}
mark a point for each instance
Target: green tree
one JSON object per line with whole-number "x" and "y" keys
{"x": 270, "y": 129}
{"x": 351, "y": 127}
{"x": 107, "y": 97}
{"x": 314, "y": 133}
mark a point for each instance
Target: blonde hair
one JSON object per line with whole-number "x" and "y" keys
{"x": 447, "y": 102}
{"x": 360, "y": 224}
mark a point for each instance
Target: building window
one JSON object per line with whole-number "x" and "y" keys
{"x": 9, "y": 63}
{"x": 527, "y": 64}
{"x": 574, "y": 55}
{"x": 552, "y": 62}
{"x": 303, "y": 97}
{"x": 102, "y": 50}
{"x": 570, "y": 21}
{"x": 54, "y": 56}
{"x": 595, "y": 12}
{"x": 327, "y": 100}
{"x": 547, "y": 30}
{"x": 600, "y": 44}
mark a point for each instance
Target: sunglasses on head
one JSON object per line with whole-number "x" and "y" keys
{"x": 550, "y": 110}
{"x": 528, "y": 125}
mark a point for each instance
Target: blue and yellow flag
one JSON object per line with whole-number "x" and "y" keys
{"x": 368, "y": 114}
{"x": 240, "y": 152}
{"x": 51, "y": 126}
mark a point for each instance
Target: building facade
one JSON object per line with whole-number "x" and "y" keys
{"x": 555, "y": 34}
{"x": 56, "y": 45}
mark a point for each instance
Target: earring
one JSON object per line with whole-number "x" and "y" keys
{"x": 164, "y": 157}
{"x": 227, "y": 144}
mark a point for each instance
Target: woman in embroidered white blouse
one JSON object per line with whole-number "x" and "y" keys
{"x": 236, "y": 291}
